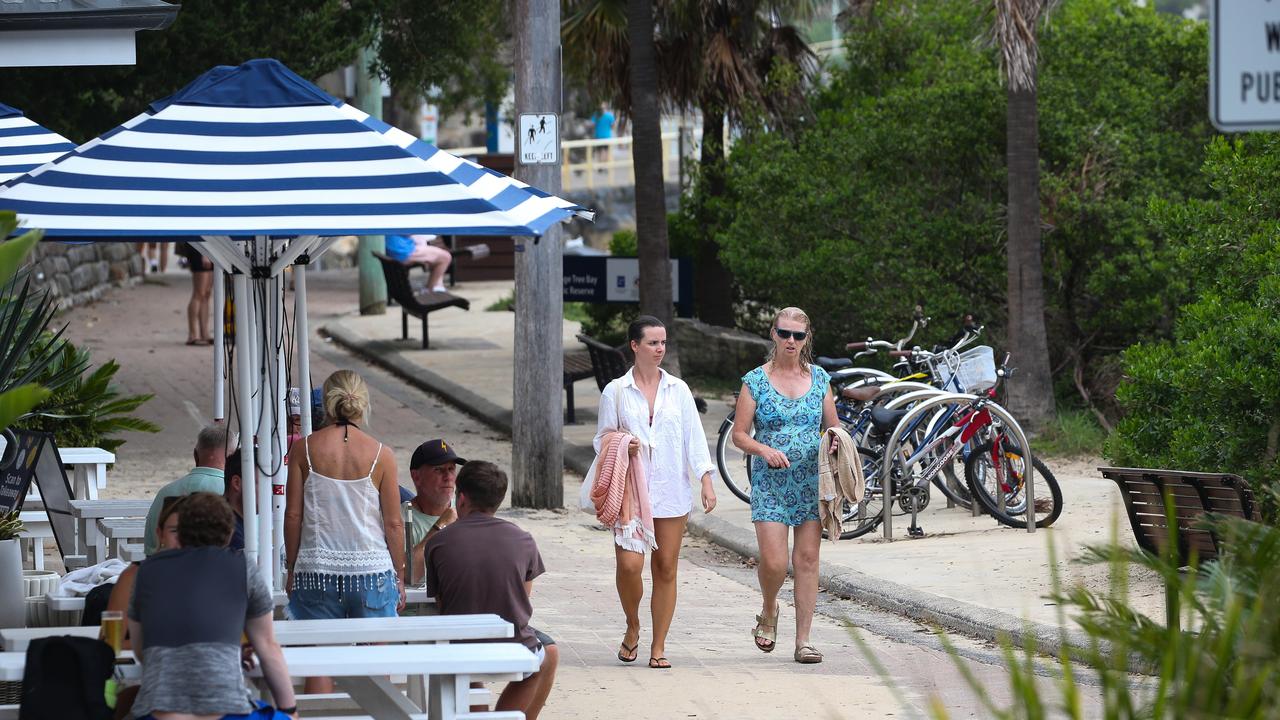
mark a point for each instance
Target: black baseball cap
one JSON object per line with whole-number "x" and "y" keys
{"x": 434, "y": 452}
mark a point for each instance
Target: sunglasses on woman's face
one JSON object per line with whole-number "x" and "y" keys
{"x": 799, "y": 335}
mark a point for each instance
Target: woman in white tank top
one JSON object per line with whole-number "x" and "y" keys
{"x": 344, "y": 535}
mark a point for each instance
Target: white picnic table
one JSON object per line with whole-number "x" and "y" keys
{"x": 88, "y": 472}
{"x": 362, "y": 670}
{"x": 90, "y": 544}
{"x": 412, "y": 629}
{"x": 413, "y": 596}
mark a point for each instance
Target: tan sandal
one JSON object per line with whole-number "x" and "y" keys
{"x": 766, "y": 629}
{"x": 808, "y": 655}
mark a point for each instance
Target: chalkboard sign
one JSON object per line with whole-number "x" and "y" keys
{"x": 21, "y": 453}
{"x": 33, "y": 457}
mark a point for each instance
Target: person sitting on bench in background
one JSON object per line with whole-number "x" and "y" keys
{"x": 410, "y": 249}
{"x": 484, "y": 564}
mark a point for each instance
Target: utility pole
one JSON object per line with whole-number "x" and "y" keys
{"x": 373, "y": 287}
{"x": 537, "y": 461}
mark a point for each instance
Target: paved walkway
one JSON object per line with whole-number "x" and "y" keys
{"x": 967, "y": 574}
{"x": 717, "y": 673}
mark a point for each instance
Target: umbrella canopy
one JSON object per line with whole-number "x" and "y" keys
{"x": 25, "y": 146}
{"x": 256, "y": 150}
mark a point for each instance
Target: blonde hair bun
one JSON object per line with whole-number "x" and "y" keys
{"x": 346, "y": 396}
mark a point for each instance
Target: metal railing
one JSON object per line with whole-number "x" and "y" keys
{"x": 588, "y": 164}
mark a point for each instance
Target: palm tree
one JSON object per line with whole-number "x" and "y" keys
{"x": 646, "y": 157}
{"x": 1030, "y": 394}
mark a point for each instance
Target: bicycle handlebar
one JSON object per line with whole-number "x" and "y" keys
{"x": 901, "y": 353}
{"x": 870, "y": 344}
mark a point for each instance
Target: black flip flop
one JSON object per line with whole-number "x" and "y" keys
{"x": 634, "y": 655}
{"x": 659, "y": 663}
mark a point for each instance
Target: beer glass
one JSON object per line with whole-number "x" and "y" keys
{"x": 112, "y": 632}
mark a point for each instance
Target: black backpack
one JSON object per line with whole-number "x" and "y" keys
{"x": 65, "y": 678}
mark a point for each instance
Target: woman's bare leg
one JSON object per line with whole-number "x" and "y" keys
{"x": 663, "y": 564}
{"x": 630, "y": 591}
{"x": 193, "y": 310}
{"x": 804, "y": 558}
{"x": 203, "y": 282}
{"x": 771, "y": 538}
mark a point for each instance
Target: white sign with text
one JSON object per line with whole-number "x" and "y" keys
{"x": 1244, "y": 64}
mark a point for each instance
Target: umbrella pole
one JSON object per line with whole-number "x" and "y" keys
{"x": 280, "y": 411}
{"x": 265, "y": 359}
{"x": 304, "y": 345}
{"x": 244, "y": 403}
{"x": 219, "y": 345}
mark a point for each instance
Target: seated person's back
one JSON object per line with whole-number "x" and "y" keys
{"x": 188, "y": 610}
{"x": 483, "y": 564}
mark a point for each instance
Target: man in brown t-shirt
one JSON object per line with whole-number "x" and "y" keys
{"x": 484, "y": 564}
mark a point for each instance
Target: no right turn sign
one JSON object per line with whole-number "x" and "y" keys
{"x": 1244, "y": 64}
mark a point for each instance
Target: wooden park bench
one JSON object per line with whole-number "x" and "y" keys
{"x": 1190, "y": 496}
{"x": 577, "y": 366}
{"x": 417, "y": 301}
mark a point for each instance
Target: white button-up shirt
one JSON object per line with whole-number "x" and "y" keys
{"x": 673, "y": 449}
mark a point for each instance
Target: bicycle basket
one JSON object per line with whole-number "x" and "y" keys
{"x": 977, "y": 370}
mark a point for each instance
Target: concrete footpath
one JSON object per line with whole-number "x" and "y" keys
{"x": 967, "y": 574}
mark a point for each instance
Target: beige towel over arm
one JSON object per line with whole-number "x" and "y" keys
{"x": 840, "y": 479}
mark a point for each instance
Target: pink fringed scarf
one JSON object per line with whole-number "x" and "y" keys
{"x": 621, "y": 495}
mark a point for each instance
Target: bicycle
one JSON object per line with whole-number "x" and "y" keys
{"x": 999, "y": 487}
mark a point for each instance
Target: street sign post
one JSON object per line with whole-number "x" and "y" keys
{"x": 1244, "y": 64}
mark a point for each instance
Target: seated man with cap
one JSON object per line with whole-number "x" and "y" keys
{"x": 434, "y": 468}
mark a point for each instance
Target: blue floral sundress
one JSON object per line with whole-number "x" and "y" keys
{"x": 794, "y": 426}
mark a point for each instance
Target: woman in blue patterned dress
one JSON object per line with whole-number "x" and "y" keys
{"x": 788, "y": 401}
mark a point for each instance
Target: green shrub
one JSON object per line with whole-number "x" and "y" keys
{"x": 1210, "y": 400}
{"x": 90, "y": 411}
{"x": 1219, "y": 661}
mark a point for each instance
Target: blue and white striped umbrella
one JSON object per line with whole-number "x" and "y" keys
{"x": 25, "y": 146}
{"x": 256, "y": 150}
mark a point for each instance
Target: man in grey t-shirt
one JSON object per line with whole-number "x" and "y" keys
{"x": 484, "y": 564}
{"x": 188, "y": 610}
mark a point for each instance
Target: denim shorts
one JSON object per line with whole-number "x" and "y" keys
{"x": 378, "y": 599}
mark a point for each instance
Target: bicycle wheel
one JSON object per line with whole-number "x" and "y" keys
{"x": 980, "y": 473}
{"x": 735, "y": 465}
{"x": 862, "y": 517}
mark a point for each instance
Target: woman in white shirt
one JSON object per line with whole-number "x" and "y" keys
{"x": 658, "y": 410}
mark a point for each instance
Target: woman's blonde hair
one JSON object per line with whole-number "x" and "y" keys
{"x": 346, "y": 397}
{"x": 806, "y": 351}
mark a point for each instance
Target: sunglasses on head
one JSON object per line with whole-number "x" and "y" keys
{"x": 799, "y": 335}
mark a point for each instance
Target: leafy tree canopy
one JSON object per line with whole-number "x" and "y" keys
{"x": 895, "y": 193}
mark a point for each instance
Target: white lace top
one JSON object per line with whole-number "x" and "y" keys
{"x": 673, "y": 446}
{"x": 343, "y": 543}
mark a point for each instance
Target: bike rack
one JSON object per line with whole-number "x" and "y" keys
{"x": 891, "y": 451}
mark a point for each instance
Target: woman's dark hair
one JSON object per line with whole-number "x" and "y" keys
{"x": 483, "y": 483}
{"x": 205, "y": 520}
{"x": 635, "y": 331}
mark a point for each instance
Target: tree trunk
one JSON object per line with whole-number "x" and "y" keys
{"x": 1030, "y": 391}
{"x": 646, "y": 153}
{"x": 713, "y": 282}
